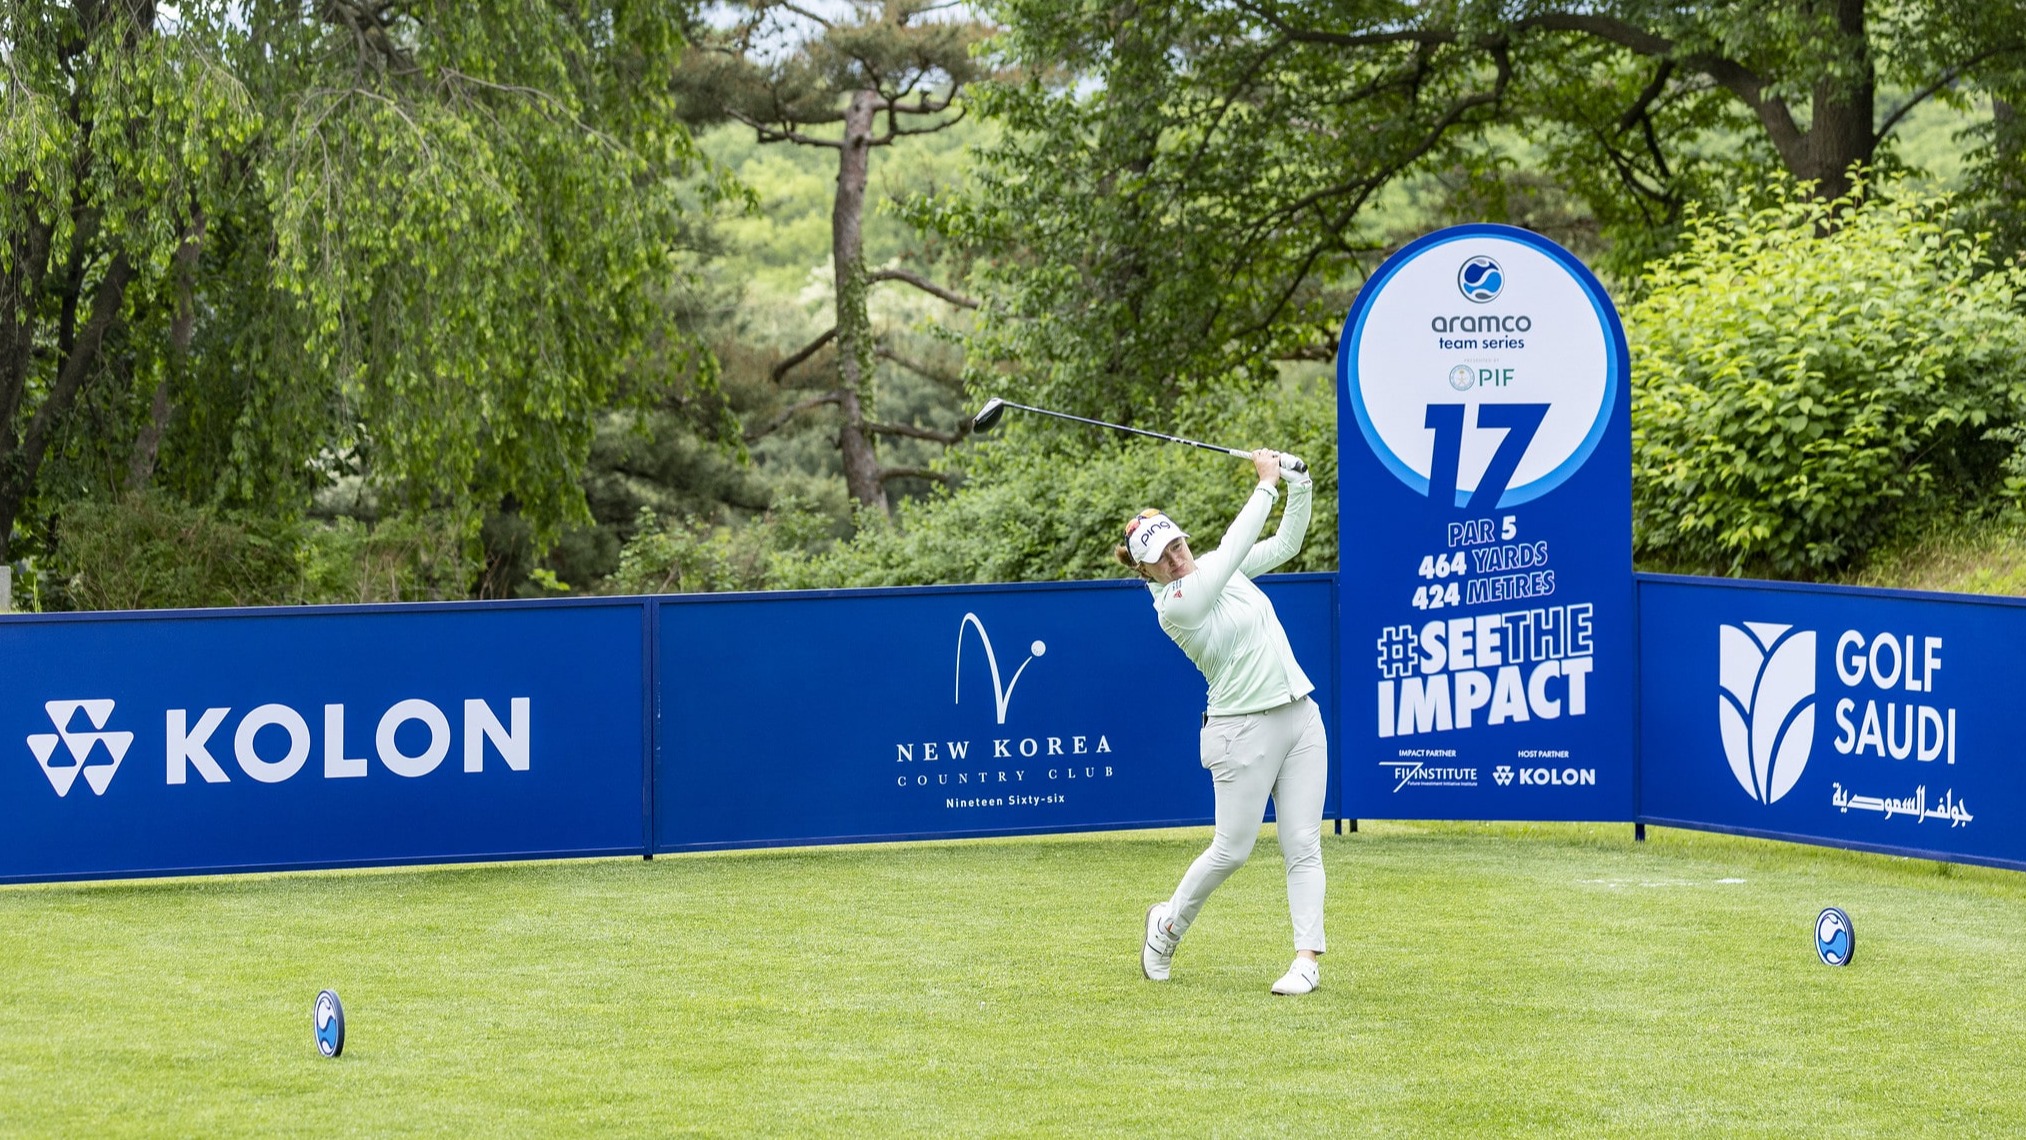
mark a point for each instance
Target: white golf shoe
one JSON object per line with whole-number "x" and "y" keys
{"x": 1300, "y": 978}
{"x": 1159, "y": 948}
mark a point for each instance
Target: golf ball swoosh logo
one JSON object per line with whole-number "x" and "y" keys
{"x": 1480, "y": 279}
{"x": 328, "y": 1023}
{"x": 1766, "y": 705}
{"x": 1833, "y": 937}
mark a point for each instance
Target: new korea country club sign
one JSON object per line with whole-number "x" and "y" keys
{"x": 1486, "y": 513}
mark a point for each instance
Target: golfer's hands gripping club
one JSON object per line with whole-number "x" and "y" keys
{"x": 1274, "y": 465}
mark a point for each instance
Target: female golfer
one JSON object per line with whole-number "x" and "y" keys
{"x": 1261, "y": 734}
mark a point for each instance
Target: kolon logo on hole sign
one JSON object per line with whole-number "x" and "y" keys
{"x": 1766, "y": 706}
{"x": 87, "y": 750}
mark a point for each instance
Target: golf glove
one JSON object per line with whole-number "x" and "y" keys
{"x": 1293, "y": 469}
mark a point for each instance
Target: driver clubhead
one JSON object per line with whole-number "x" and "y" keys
{"x": 988, "y": 416}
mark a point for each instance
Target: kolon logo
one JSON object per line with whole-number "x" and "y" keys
{"x": 1766, "y": 710}
{"x": 81, "y": 746}
{"x": 1003, "y": 694}
{"x": 1503, "y": 774}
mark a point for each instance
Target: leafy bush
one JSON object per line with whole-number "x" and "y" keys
{"x": 408, "y": 558}
{"x": 1810, "y": 378}
{"x": 153, "y": 551}
{"x": 1034, "y": 510}
{"x": 687, "y": 554}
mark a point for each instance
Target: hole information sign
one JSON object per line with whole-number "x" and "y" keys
{"x": 1484, "y": 441}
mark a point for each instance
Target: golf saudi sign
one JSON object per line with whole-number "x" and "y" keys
{"x": 1484, "y": 447}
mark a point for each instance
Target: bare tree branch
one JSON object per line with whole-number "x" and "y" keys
{"x": 790, "y": 412}
{"x": 1325, "y": 350}
{"x": 922, "y": 283}
{"x": 1741, "y": 81}
{"x": 1948, "y": 77}
{"x": 782, "y": 369}
{"x": 1643, "y": 105}
{"x": 1423, "y": 36}
{"x": 1362, "y": 189}
{"x": 888, "y": 474}
{"x": 915, "y": 366}
{"x": 784, "y": 134}
{"x": 1750, "y": 87}
{"x": 107, "y": 302}
{"x": 807, "y": 14}
{"x": 895, "y": 132}
{"x": 946, "y": 438}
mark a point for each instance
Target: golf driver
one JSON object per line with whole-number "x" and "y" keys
{"x": 988, "y": 418}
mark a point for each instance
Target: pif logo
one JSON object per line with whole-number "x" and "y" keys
{"x": 1766, "y": 711}
{"x": 82, "y": 751}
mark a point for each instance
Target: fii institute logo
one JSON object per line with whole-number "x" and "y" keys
{"x": 81, "y": 751}
{"x": 1766, "y": 710}
{"x": 1003, "y": 694}
{"x": 1480, "y": 279}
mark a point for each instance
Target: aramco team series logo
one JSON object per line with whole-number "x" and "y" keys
{"x": 1480, "y": 279}
{"x": 1003, "y": 694}
{"x": 81, "y": 751}
{"x": 1767, "y": 705}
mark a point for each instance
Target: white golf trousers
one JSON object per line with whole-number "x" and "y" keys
{"x": 1282, "y": 753}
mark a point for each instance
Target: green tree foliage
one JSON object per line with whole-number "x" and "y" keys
{"x": 882, "y": 71}
{"x": 1186, "y": 192}
{"x": 148, "y": 550}
{"x": 1808, "y": 79}
{"x": 683, "y": 553}
{"x": 1037, "y": 511}
{"x": 1812, "y": 377}
{"x": 1165, "y": 210}
{"x": 776, "y": 274}
{"x": 247, "y": 249}
{"x": 114, "y": 135}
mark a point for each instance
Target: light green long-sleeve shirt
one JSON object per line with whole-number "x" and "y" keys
{"x": 1226, "y": 624}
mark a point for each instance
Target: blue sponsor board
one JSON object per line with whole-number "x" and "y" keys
{"x": 1874, "y": 719}
{"x": 1486, "y": 529}
{"x": 167, "y": 743}
{"x": 937, "y": 712}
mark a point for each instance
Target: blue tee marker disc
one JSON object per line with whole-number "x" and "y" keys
{"x": 1835, "y": 937}
{"x": 329, "y": 1018}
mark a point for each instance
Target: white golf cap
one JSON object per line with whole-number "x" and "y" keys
{"x": 1151, "y": 535}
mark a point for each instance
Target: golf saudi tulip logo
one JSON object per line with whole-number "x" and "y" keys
{"x": 1766, "y": 710}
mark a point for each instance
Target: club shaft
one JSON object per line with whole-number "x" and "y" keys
{"x": 1136, "y": 431}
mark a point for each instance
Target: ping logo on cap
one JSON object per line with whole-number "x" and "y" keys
{"x": 1148, "y": 535}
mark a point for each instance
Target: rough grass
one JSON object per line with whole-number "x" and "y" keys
{"x": 1978, "y": 557}
{"x": 1483, "y": 980}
